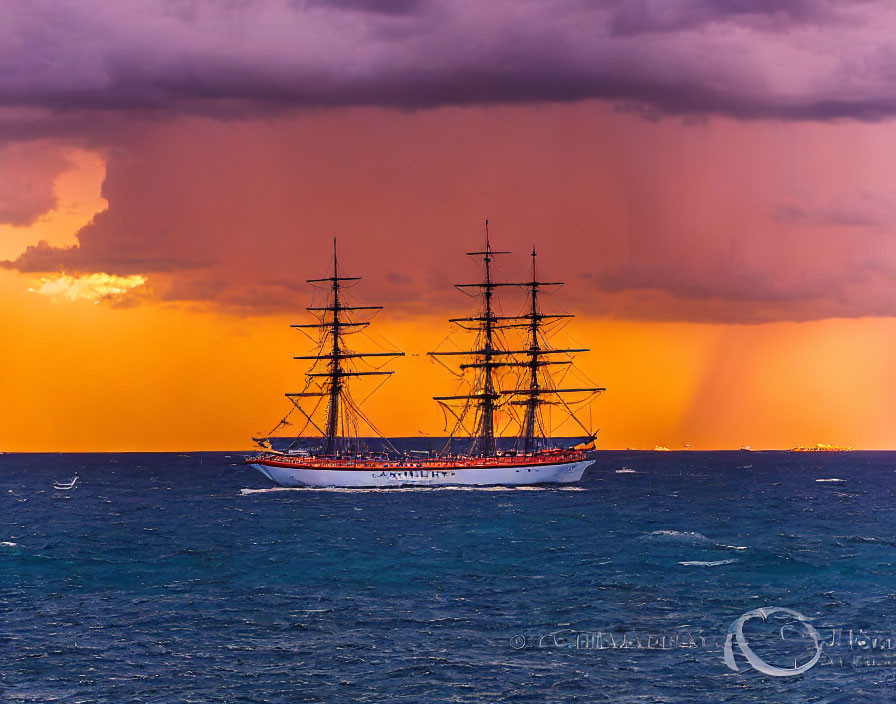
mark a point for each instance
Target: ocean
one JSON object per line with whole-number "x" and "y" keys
{"x": 187, "y": 578}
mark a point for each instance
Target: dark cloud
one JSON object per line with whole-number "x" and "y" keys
{"x": 872, "y": 210}
{"x": 792, "y": 59}
{"x": 399, "y": 277}
{"x": 120, "y": 259}
{"x": 385, "y": 7}
{"x": 797, "y": 214}
{"x": 649, "y": 16}
{"x": 133, "y": 236}
{"x": 644, "y": 220}
{"x": 27, "y": 172}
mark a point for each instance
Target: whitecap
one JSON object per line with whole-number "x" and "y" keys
{"x": 861, "y": 539}
{"x": 692, "y": 537}
{"x": 681, "y": 536}
{"x": 833, "y": 479}
{"x": 8, "y": 544}
{"x": 702, "y": 563}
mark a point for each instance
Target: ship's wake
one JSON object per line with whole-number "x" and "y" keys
{"x": 390, "y": 490}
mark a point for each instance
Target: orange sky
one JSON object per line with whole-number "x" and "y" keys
{"x": 83, "y": 375}
{"x": 150, "y": 370}
{"x": 80, "y": 376}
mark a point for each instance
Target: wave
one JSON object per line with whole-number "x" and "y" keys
{"x": 626, "y": 470}
{"x": 693, "y": 538}
{"x": 392, "y": 490}
{"x": 867, "y": 539}
{"x": 681, "y": 536}
{"x": 8, "y": 544}
{"x": 702, "y": 563}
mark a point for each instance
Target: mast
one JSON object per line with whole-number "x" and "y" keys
{"x": 334, "y": 324}
{"x": 538, "y": 384}
{"x": 335, "y": 363}
{"x": 529, "y": 417}
{"x": 486, "y": 426}
{"x": 487, "y": 354}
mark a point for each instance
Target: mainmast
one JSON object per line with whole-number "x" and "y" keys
{"x": 487, "y": 355}
{"x": 335, "y": 323}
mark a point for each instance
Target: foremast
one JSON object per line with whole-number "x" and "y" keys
{"x": 334, "y": 364}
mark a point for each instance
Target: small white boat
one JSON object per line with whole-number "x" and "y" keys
{"x": 66, "y": 485}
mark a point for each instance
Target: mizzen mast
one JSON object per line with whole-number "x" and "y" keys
{"x": 538, "y": 386}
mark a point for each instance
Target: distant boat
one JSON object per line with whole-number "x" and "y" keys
{"x": 66, "y": 485}
{"x": 746, "y": 448}
{"x": 661, "y": 448}
{"x": 822, "y": 447}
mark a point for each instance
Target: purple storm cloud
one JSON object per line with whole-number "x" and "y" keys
{"x": 789, "y": 59}
{"x": 236, "y": 135}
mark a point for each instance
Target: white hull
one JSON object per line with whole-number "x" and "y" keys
{"x": 563, "y": 473}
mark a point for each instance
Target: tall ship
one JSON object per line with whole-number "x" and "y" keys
{"x": 513, "y": 392}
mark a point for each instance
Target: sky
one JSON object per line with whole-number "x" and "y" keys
{"x": 713, "y": 181}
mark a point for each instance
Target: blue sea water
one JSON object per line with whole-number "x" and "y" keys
{"x": 159, "y": 578}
